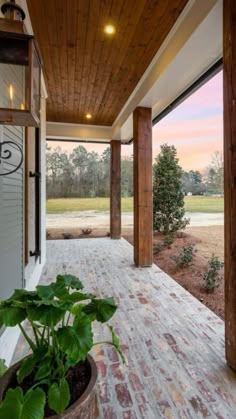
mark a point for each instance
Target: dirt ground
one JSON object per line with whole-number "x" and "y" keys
{"x": 206, "y": 241}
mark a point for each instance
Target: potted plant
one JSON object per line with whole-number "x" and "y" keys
{"x": 58, "y": 376}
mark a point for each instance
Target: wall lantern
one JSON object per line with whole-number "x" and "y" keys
{"x": 20, "y": 70}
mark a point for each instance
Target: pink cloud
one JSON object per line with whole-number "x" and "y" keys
{"x": 209, "y": 94}
{"x": 189, "y": 129}
{"x": 195, "y": 128}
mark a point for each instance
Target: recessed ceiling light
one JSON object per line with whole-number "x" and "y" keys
{"x": 109, "y": 29}
{"x": 88, "y": 115}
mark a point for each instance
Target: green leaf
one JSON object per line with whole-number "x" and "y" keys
{"x": 16, "y": 406}
{"x": 77, "y": 309}
{"x": 69, "y": 362}
{"x": 76, "y": 340}
{"x": 59, "y": 289}
{"x": 34, "y": 402}
{"x": 11, "y": 316}
{"x": 116, "y": 344}
{"x": 59, "y": 396}
{"x": 102, "y": 308}
{"x": 3, "y": 367}
{"x": 63, "y": 305}
{"x": 45, "y": 292}
{"x": 48, "y": 312}
{"x": 26, "y": 368}
{"x": 70, "y": 281}
{"x": 11, "y": 407}
{"x": 76, "y": 297}
{"x": 44, "y": 369}
{"x": 23, "y": 295}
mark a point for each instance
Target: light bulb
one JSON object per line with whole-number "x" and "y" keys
{"x": 109, "y": 29}
{"x": 11, "y": 92}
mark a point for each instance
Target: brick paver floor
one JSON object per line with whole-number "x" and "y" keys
{"x": 174, "y": 344}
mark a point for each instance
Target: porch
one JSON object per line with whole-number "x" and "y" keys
{"x": 174, "y": 344}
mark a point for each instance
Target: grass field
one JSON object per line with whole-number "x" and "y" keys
{"x": 192, "y": 204}
{"x": 208, "y": 204}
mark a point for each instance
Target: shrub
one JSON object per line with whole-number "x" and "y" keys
{"x": 211, "y": 276}
{"x": 158, "y": 246}
{"x": 168, "y": 240}
{"x": 185, "y": 256}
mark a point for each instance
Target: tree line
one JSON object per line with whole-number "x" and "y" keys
{"x": 87, "y": 174}
{"x": 84, "y": 174}
{"x": 195, "y": 183}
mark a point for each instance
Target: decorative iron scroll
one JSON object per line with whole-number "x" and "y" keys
{"x": 6, "y": 154}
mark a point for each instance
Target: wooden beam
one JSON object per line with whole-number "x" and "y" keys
{"x": 115, "y": 190}
{"x": 143, "y": 226}
{"x": 229, "y": 65}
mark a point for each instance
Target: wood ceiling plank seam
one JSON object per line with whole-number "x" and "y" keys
{"x": 158, "y": 35}
{"x": 60, "y": 13}
{"x": 53, "y": 97}
{"x": 134, "y": 53}
{"x": 101, "y": 40}
{"x": 108, "y": 52}
{"x": 147, "y": 57}
{"x": 98, "y": 57}
{"x": 138, "y": 53}
{"x": 52, "y": 93}
{"x": 81, "y": 40}
{"x": 124, "y": 36}
{"x": 90, "y": 98}
{"x": 105, "y": 13}
{"x": 53, "y": 43}
{"x": 78, "y": 64}
{"x": 109, "y": 110}
{"x": 77, "y": 82}
{"x": 72, "y": 19}
{"x": 37, "y": 14}
{"x": 145, "y": 54}
{"x": 90, "y": 40}
{"x": 84, "y": 35}
{"x": 94, "y": 59}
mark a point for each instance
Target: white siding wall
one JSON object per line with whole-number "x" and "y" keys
{"x": 11, "y": 205}
{"x": 33, "y": 270}
{"x": 12, "y": 227}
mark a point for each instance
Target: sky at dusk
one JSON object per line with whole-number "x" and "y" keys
{"x": 195, "y": 128}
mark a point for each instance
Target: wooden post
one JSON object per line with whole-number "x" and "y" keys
{"x": 115, "y": 191}
{"x": 229, "y": 59}
{"x": 143, "y": 226}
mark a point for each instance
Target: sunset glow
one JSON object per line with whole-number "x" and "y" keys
{"x": 195, "y": 127}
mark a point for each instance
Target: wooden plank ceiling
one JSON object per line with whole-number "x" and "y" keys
{"x": 87, "y": 70}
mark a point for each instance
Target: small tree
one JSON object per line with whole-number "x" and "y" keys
{"x": 211, "y": 276}
{"x": 168, "y": 197}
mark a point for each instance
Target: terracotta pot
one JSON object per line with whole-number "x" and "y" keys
{"x": 84, "y": 408}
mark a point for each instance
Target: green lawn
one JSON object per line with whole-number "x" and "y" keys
{"x": 204, "y": 204}
{"x": 83, "y": 204}
{"x": 192, "y": 204}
